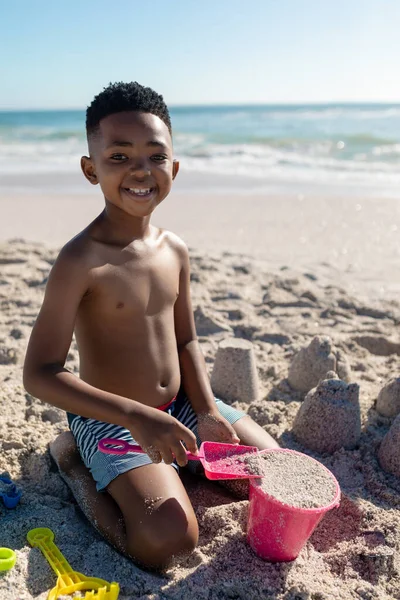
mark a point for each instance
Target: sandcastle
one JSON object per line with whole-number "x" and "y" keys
{"x": 234, "y": 376}
{"x": 329, "y": 417}
{"x": 388, "y": 402}
{"x": 314, "y": 361}
{"x": 389, "y": 450}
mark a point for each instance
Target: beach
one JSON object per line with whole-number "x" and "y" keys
{"x": 273, "y": 265}
{"x": 351, "y": 240}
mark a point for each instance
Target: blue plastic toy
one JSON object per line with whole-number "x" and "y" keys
{"x": 9, "y": 492}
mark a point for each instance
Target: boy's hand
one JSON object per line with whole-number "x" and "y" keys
{"x": 213, "y": 427}
{"x": 161, "y": 436}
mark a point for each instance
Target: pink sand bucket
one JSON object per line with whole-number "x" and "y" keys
{"x": 276, "y": 531}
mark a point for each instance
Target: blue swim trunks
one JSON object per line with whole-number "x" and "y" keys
{"x": 106, "y": 467}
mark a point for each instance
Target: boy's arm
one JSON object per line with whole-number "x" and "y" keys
{"x": 44, "y": 374}
{"x": 193, "y": 368}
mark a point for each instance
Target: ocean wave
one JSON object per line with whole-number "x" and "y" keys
{"x": 389, "y": 149}
{"x": 288, "y": 112}
{"x": 36, "y": 134}
{"x": 252, "y": 161}
{"x": 337, "y": 113}
{"x": 292, "y": 172}
{"x": 329, "y": 153}
{"x": 339, "y": 141}
{"x": 41, "y": 156}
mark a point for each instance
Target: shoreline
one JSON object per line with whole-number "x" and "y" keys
{"x": 198, "y": 182}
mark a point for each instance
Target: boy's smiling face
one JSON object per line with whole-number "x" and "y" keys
{"x": 131, "y": 159}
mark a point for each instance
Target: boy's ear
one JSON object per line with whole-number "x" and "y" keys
{"x": 88, "y": 170}
{"x": 175, "y": 168}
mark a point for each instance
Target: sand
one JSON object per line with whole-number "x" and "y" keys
{"x": 389, "y": 454}
{"x": 388, "y": 402}
{"x": 295, "y": 480}
{"x": 351, "y": 241}
{"x": 329, "y": 417}
{"x": 353, "y": 554}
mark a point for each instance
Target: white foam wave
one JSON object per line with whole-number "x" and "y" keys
{"x": 41, "y": 157}
{"x": 332, "y": 114}
{"x": 307, "y": 161}
{"x": 266, "y": 162}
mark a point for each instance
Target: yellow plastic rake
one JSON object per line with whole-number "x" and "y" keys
{"x": 69, "y": 581}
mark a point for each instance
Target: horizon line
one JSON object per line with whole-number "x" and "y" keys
{"x": 230, "y": 105}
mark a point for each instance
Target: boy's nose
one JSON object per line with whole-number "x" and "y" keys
{"x": 140, "y": 171}
{"x": 140, "y": 165}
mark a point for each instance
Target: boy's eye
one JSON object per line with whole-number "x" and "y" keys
{"x": 159, "y": 157}
{"x": 118, "y": 156}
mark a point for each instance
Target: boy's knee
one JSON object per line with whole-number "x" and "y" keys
{"x": 157, "y": 546}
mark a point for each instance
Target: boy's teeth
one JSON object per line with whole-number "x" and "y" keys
{"x": 139, "y": 191}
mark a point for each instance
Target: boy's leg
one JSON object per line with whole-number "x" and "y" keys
{"x": 252, "y": 434}
{"x": 159, "y": 518}
{"x": 145, "y": 513}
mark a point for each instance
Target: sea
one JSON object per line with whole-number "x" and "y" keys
{"x": 356, "y": 146}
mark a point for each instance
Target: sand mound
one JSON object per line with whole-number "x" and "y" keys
{"x": 234, "y": 376}
{"x": 312, "y": 362}
{"x": 389, "y": 451}
{"x": 329, "y": 417}
{"x": 388, "y": 402}
{"x": 353, "y": 554}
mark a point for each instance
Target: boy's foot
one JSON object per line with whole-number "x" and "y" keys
{"x": 99, "y": 508}
{"x": 65, "y": 454}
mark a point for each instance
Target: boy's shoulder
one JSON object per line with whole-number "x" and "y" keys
{"x": 82, "y": 252}
{"x": 77, "y": 257}
{"x": 173, "y": 240}
{"x": 69, "y": 276}
{"x": 79, "y": 249}
{"x": 176, "y": 244}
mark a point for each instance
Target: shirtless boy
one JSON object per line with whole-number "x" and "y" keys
{"x": 122, "y": 285}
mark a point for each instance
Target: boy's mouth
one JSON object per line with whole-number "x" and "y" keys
{"x": 140, "y": 192}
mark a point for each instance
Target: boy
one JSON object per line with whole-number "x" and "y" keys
{"x": 123, "y": 286}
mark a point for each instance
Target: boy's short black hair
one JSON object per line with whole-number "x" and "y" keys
{"x": 120, "y": 97}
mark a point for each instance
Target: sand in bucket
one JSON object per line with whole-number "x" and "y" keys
{"x": 287, "y": 503}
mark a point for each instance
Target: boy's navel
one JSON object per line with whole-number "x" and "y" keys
{"x": 120, "y": 305}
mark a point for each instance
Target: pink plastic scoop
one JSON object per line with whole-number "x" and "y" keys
{"x": 220, "y": 461}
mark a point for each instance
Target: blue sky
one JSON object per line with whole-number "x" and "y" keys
{"x": 58, "y": 54}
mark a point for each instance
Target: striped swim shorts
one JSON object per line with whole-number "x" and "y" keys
{"x": 106, "y": 467}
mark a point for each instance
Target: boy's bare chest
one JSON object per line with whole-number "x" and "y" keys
{"x": 145, "y": 286}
